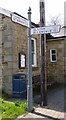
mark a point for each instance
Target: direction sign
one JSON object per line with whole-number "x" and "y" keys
{"x": 45, "y": 30}
{"x": 19, "y": 20}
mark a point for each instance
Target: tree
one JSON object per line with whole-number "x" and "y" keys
{"x": 55, "y": 20}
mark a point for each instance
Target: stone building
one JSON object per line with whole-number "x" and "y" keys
{"x": 14, "y": 52}
{"x": 13, "y": 46}
{"x": 56, "y": 59}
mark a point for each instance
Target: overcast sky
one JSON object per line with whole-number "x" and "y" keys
{"x": 52, "y": 8}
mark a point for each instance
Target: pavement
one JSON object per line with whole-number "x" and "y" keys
{"x": 54, "y": 109}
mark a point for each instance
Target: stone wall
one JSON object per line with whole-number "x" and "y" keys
{"x": 20, "y": 44}
{"x": 0, "y": 55}
{"x": 15, "y": 40}
{"x": 65, "y": 61}
{"x": 7, "y": 60}
{"x": 55, "y": 71}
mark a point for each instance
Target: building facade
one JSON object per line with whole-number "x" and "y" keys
{"x": 14, "y": 53}
{"x": 56, "y": 59}
{"x": 14, "y": 47}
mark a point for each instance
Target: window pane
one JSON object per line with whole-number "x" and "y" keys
{"x": 32, "y": 58}
{"x": 32, "y": 42}
{"x": 33, "y": 45}
{"x": 53, "y": 51}
{"x": 53, "y": 57}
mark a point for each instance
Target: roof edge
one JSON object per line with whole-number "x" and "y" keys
{"x": 57, "y": 38}
{"x": 5, "y": 12}
{"x": 8, "y": 14}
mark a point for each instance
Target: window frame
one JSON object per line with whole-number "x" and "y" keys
{"x": 35, "y": 55}
{"x": 20, "y": 66}
{"x": 53, "y": 54}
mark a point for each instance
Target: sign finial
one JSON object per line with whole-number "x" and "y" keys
{"x": 42, "y": 0}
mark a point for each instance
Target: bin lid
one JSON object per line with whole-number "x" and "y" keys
{"x": 19, "y": 75}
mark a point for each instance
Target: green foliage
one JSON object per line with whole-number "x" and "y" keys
{"x": 17, "y": 103}
{"x": 12, "y": 110}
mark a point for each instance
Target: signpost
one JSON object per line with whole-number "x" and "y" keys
{"x": 29, "y": 86}
{"x": 20, "y": 20}
{"x": 46, "y": 30}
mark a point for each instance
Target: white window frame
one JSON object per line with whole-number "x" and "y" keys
{"x": 53, "y": 54}
{"x": 35, "y": 55}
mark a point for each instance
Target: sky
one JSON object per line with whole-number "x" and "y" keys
{"x": 52, "y": 8}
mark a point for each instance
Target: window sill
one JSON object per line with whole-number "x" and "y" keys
{"x": 35, "y": 68}
{"x": 53, "y": 61}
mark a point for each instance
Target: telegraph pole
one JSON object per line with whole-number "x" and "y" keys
{"x": 43, "y": 56}
{"x": 29, "y": 86}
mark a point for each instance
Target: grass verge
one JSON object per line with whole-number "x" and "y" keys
{"x": 12, "y": 110}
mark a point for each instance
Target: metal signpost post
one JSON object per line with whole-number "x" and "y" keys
{"x": 27, "y": 23}
{"x": 29, "y": 86}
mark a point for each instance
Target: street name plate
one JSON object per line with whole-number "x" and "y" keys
{"x": 19, "y": 20}
{"x": 45, "y": 30}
